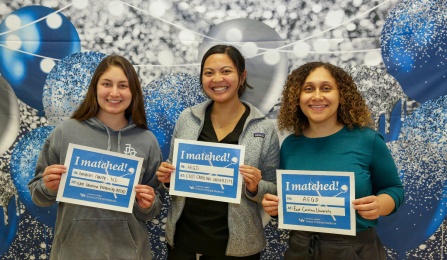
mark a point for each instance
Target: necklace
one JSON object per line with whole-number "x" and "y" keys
{"x": 231, "y": 121}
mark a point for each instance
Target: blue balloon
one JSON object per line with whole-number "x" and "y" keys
{"x": 157, "y": 229}
{"x": 427, "y": 124}
{"x": 277, "y": 240}
{"x": 414, "y": 47}
{"x": 9, "y": 226}
{"x": 23, "y": 163}
{"x": 419, "y": 154}
{"x": 164, "y": 99}
{"x": 422, "y": 170}
{"x": 33, "y": 39}
{"x": 395, "y": 123}
{"x": 383, "y": 95}
{"x": 67, "y": 84}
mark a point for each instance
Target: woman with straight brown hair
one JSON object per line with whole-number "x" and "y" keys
{"x": 111, "y": 118}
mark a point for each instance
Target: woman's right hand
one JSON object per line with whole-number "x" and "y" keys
{"x": 270, "y": 204}
{"x": 51, "y": 177}
{"x": 164, "y": 172}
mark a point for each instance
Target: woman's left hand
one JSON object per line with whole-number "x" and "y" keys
{"x": 252, "y": 177}
{"x": 368, "y": 207}
{"x": 145, "y": 195}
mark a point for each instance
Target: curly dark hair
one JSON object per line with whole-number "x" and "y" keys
{"x": 351, "y": 112}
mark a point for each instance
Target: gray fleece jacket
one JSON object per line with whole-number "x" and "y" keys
{"x": 91, "y": 233}
{"x": 246, "y": 231}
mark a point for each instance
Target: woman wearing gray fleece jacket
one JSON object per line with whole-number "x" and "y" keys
{"x": 111, "y": 118}
{"x": 219, "y": 230}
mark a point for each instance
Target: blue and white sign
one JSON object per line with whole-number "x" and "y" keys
{"x": 316, "y": 201}
{"x": 99, "y": 178}
{"x": 207, "y": 170}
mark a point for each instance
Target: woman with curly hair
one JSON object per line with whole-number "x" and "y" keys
{"x": 332, "y": 131}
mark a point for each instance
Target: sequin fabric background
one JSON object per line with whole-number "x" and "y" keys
{"x": 395, "y": 51}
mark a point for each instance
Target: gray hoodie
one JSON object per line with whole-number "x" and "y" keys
{"x": 91, "y": 233}
{"x": 246, "y": 231}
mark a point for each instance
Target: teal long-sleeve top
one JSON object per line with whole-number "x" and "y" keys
{"x": 362, "y": 151}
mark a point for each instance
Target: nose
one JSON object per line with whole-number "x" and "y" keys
{"x": 317, "y": 95}
{"x": 114, "y": 91}
{"x": 217, "y": 77}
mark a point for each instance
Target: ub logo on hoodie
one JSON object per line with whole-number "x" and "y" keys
{"x": 129, "y": 150}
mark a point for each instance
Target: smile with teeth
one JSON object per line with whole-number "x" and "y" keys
{"x": 219, "y": 89}
{"x": 318, "y": 107}
{"x": 113, "y": 101}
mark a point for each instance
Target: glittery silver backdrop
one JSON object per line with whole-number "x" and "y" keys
{"x": 394, "y": 49}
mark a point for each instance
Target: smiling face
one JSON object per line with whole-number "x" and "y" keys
{"x": 220, "y": 78}
{"x": 320, "y": 98}
{"x": 113, "y": 94}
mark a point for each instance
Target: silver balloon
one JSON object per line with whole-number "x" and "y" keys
{"x": 266, "y": 65}
{"x": 9, "y": 116}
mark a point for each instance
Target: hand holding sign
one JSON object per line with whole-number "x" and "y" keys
{"x": 252, "y": 177}
{"x": 372, "y": 207}
{"x": 145, "y": 196}
{"x": 51, "y": 177}
{"x": 164, "y": 172}
{"x": 270, "y": 204}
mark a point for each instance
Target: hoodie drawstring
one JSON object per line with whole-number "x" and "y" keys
{"x": 109, "y": 145}
{"x": 109, "y": 142}
{"x": 119, "y": 141}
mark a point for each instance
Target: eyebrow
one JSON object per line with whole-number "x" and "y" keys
{"x": 323, "y": 82}
{"x": 121, "y": 81}
{"x": 225, "y": 67}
